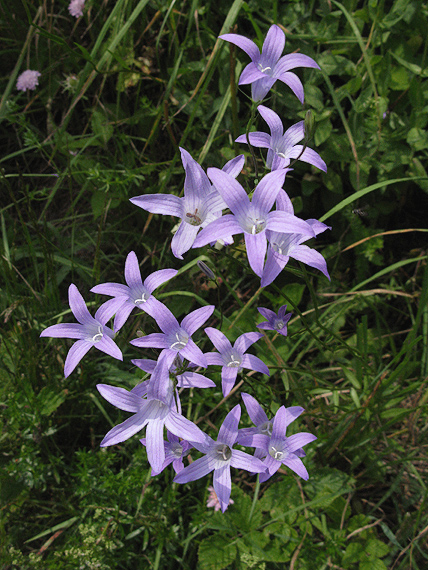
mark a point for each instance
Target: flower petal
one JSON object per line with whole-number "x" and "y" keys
{"x": 273, "y": 46}
{"x": 218, "y": 229}
{"x": 250, "y": 74}
{"x": 291, "y": 79}
{"x": 256, "y": 250}
{"x": 252, "y": 362}
{"x": 157, "y": 278}
{"x": 222, "y": 486}
{"x": 293, "y": 60}
{"x": 155, "y": 444}
{"x": 229, "y": 428}
{"x": 219, "y": 339}
{"x": 107, "y": 345}
{"x": 166, "y": 204}
{"x": 296, "y": 465}
{"x": 273, "y": 120}
{"x": 125, "y": 430}
{"x": 75, "y": 355}
{"x": 195, "y": 470}
{"x": 308, "y": 155}
{"x": 183, "y": 239}
{"x": 242, "y": 460}
{"x": 299, "y": 440}
{"x": 65, "y": 330}
{"x": 254, "y": 409}
{"x": 244, "y": 341}
{"x": 194, "y": 320}
{"x": 311, "y": 257}
{"x": 78, "y": 306}
{"x": 234, "y": 166}
{"x": 257, "y": 139}
{"x": 132, "y": 271}
{"x": 120, "y": 398}
{"x": 244, "y": 43}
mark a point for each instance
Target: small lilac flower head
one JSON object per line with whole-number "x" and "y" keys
{"x": 275, "y": 322}
{"x": 90, "y": 331}
{"x": 28, "y": 80}
{"x": 175, "y": 451}
{"x": 268, "y": 66}
{"x": 213, "y": 500}
{"x": 76, "y": 8}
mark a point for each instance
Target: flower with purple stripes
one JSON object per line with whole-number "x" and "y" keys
{"x": 277, "y": 448}
{"x": 275, "y": 322}
{"x": 268, "y": 66}
{"x": 282, "y": 146}
{"x": 233, "y": 359}
{"x": 219, "y": 456}
{"x": 135, "y": 294}
{"x": 90, "y": 331}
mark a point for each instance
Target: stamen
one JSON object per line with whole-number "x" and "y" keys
{"x": 182, "y": 339}
{"x": 97, "y": 337}
{"x": 223, "y": 452}
{"x": 276, "y": 454}
{"x": 276, "y": 248}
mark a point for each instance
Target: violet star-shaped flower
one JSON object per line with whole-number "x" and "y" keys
{"x": 90, "y": 331}
{"x": 279, "y": 449}
{"x": 135, "y": 294}
{"x": 263, "y": 424}
{"x": 275, "y": 322}
{"x": 175, "y": 451}
{"x": 220, "y": 457}
{"x": 282, "y": 146}
{"x": 253, "y": 217}
{"x": 233, "y": 359}
{"x": 156, "y": 410}
{"x": 176, "y": 338}
{"x": 282, "y": 246}
{"x": 268, "y": 66}
{"x": 200, "y": 205}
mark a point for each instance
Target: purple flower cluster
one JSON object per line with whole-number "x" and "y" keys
{"x": 272, "y": 234}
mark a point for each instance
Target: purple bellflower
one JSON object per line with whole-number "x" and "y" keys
{"x": 90, "y": 331}
{"x": 282, "y": 146}
{"x": 175, "y": 451}
{"x": 252, "y": 218}
{"x": 233, "y": 359}
{"x": 275, "y": 322}
{"x": 279, "y": 449}
{"x": 156, "y": 410}
{"x": 186, "y": 379}
{"x": 200, "y": 205}
{"x": 175, "y": 338}
{"x": 263, "y": 424}
{"x": 268, "y": 66}
{"x": 135, "y": 293}
{"x": 220, "y": 457}
{"x": 282, "y": 246}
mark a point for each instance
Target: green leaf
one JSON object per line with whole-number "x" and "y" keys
{"x": 101, "y": 127}
{"x": 49, "y": 400}
{"x": 216, "y": 553}
{"x": 323, "y": 131}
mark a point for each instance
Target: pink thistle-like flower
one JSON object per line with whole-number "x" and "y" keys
{"x": 29, "y": 79}
{"x": 213, "y": 500}
{"x": 76, "y": 8}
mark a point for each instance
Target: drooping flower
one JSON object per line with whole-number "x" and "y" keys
{"x": 76, "y": 8}
{"x": 156, "y": 409}
{"x": 268, "y": 66}
{"x": 275, "y": 322}
{"x": 233, "y": 359}
{"x": 175, "y": 451}
{"x": 253, "y": 217}
{"x": 282, "y": 146}
{"x": 29, "y": 79}
{"x": 200, "y": 205}
{"x": 176, "y": 338}
{"x": 135, "y": 293}
{"x": 263, "y": 424}
{"x": 220, "y": 457}
{"x": 282, "y": 246}
{"x": 213, "y": 500}
{"x": 90, "y": 332}
{"x": 279, "y": 449}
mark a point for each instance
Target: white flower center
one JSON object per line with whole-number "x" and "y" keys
{"x": 176, "y": 450}
{"x": 193, "y": 218}
{"x": 223, "y": 452}
{"x": 142, "y": 298}
{"x": 258, "y": 226}
{"x": 276, "y": 453}
{"x": 266, "y": 428}
{"x": 99, "y": 335}
{"x": 234, "y": 361}
{"x": 264, "y": 69}
{"x": 276, "y": 248}
{"x": 182, "y": 338}
{"x": 278, "y": 324}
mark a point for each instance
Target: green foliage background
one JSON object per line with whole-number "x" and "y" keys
{"x": 121, "y": 89}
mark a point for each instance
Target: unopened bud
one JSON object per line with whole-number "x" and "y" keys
{"x": 309, "y": 125}
{"x": 205, "y": 269}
